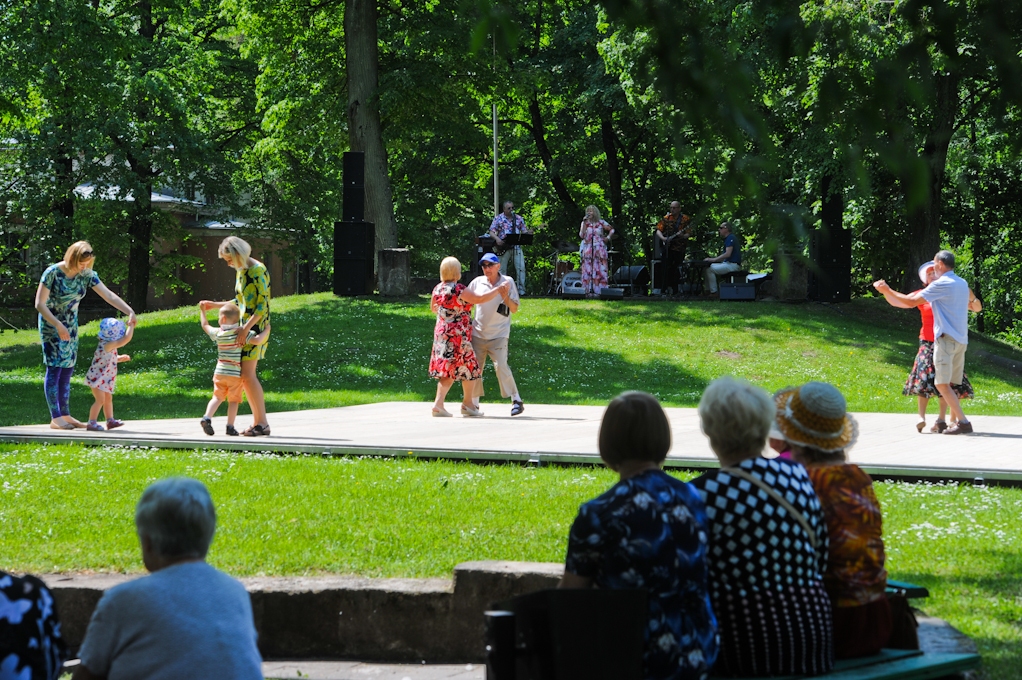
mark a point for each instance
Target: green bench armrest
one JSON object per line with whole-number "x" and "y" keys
{"x": 894, "y": 664}
{"x": 912, "y": 591}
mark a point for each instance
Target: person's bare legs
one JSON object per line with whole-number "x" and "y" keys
{"x": 952, "y": 402}
{"x": 99, "y": 402}
{"x": 108, "y": 405}
{"x": 922, "y": 402}
{"x": 443, "y": 386}
{"x": 232, "y": 412}
{"x": 254, "y": 390}
{"x": 211, "y": 407}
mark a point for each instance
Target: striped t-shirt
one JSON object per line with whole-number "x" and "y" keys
{"x": 228, "y": 356}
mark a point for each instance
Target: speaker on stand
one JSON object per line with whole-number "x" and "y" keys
{"x": 354, "y": 238}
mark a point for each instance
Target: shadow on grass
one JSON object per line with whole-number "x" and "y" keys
{"x": 331, "y": 352}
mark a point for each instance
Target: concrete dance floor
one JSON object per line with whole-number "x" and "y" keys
{"x": 888, "y": 446}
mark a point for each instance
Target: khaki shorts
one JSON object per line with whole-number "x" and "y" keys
{"x": 228, "y": 388}
{"x": 948, "y": 361}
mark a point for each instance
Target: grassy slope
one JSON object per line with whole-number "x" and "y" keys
{"x": 331, "y": 352}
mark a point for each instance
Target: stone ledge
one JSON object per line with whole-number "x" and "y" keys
{"x": 394, "y": 620}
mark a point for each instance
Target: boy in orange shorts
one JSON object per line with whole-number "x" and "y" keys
{"x": 227, "y": 376}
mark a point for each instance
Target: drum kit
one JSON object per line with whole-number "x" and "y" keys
{"x": 565, "y": 280}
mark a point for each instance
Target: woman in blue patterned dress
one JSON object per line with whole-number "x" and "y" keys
{"x": 768, "y": 543}
{"x": 648, "y": 531}
{"x": 31, "y": 645}
{"x": 62, "y": 287}
{"x": 252, "y": 289}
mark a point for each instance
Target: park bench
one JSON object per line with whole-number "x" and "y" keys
{"x": 900, "y": 664}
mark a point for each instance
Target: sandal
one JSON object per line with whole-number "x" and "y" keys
{"x": 93, "y": 426}
{"x": 441, "y": 413}
{"x": 111, "y": 423}
{"x": 231, "y": 431}
{"x": 62, "y": 425}
{"x": 207, "y": 426}
{"x": 257, "y": 431}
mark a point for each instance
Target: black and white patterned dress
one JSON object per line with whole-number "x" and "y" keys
{"x": 766, "y": 576}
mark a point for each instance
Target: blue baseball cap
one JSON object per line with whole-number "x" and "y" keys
{"x": 489, "y": 257}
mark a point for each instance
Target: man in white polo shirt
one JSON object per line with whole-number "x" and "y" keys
{"x": 491, "y": 329}
{"x": 949, "y": 298}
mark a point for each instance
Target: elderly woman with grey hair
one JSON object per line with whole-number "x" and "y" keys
{"x": 186, "y": 619}
{"x": 768, "y": 543}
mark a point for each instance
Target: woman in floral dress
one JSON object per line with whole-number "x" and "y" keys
{"x": 61, "y": 288}
{"x": 595, "y": 234}
{"x": 453, "y": 358}
{"x": 252, "y": 289}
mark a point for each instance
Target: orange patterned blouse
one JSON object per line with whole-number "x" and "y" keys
{"x": 855, "y": 564}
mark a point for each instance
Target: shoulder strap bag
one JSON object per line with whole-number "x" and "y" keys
{"x": 796, "y": 515}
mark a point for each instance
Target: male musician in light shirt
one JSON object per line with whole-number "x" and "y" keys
{"x": 491, "y": 329}
{"x": 509, "y": 222}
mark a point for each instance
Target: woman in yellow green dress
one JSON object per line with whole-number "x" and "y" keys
{"x": 252, "y": 288}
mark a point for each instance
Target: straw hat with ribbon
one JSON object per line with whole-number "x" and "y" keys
{"x": 815, "y": 415}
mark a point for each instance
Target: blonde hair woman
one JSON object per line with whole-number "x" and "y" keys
{"x": 595, "y": 233}
{"x": 61, "y": 288}
{"x": 252, "y": 296}
{"x": 453, "y": 358}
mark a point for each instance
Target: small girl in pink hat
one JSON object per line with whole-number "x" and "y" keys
{"x": 102, "y": 375}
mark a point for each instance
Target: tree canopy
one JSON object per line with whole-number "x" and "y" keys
{"x": 896, "y": 120}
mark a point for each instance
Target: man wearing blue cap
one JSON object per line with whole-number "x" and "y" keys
{"x": 491, "y": 330}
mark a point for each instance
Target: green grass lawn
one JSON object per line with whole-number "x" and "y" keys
{"x": 328, "y": 351}
{"x": 70, "y": 508}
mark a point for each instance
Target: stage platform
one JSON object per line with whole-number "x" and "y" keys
{"x": 888, "y": 447}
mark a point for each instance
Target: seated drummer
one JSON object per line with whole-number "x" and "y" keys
{"x": 672, "y": 232}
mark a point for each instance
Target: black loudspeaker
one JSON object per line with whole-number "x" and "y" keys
{"x": 354, "y": 194}
{"x": 636, "y": 276}
{"x": 831, "y": 254}
{"x": 354, "y": 249}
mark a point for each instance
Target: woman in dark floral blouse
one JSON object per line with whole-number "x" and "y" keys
{"x": 30, "y": 643}
{"x": 648, "y": 531}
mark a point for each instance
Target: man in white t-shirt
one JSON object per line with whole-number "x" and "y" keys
{"x": 949, "y": 297}
{"x": 491, "y": 330}
{"x": 186, "y": 619}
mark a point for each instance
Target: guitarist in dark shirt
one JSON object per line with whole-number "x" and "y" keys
{"x": 672, "y": 232}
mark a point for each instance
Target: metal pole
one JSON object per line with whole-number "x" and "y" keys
{"x": 496, "y": 170}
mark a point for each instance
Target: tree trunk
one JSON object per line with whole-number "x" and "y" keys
{"x": 613, "y": 167}
{"x": 924, "y": 220}
{"x": 140, "y": 231}
{"x": 364, "y": 127}
{"x": 539, "y": 136}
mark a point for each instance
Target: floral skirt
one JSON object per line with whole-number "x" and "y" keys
{"x": 920, "y": 378}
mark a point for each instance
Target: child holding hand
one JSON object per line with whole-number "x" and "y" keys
{"x": 227, "y": 384}
{"x": 102, "y": 375}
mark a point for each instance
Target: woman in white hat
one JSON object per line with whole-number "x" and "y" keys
{"x": 814, "y": 421}
{"x": 920, "y": 380}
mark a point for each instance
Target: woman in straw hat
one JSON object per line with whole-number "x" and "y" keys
{"x": 920, "y": 379}
{"x": 814, "y": 422}
{"x": 768, "y": 543}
